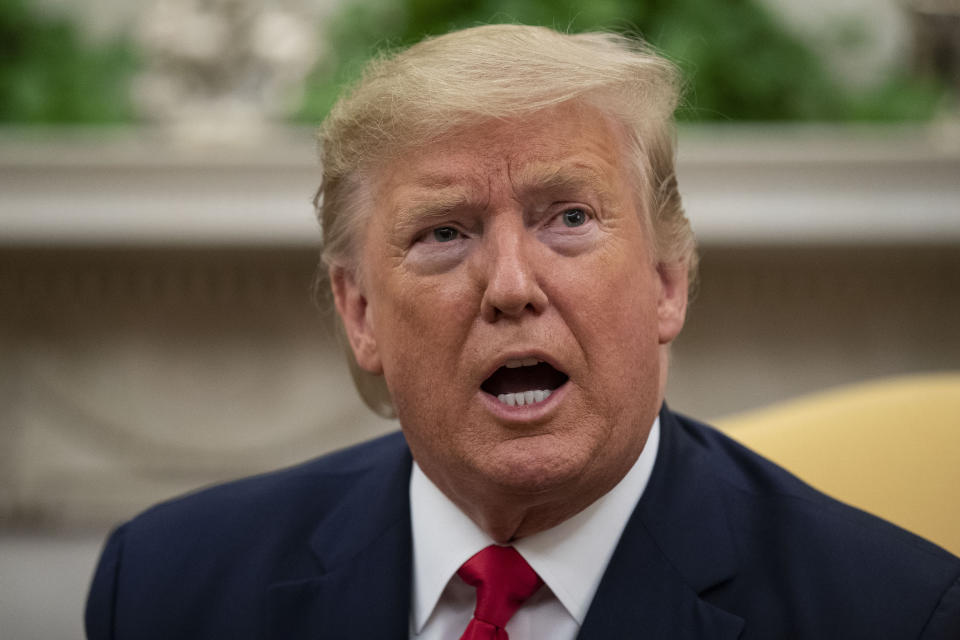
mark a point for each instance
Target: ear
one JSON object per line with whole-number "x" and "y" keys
{"x": 355, "y": 315}
{"x": 672, "y": 301}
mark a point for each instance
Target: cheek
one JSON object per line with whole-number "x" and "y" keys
{"x": 610, "y": 300}
{"x": 421, "y": 329}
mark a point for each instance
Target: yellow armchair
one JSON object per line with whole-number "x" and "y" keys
{"x": 890, "y": 447}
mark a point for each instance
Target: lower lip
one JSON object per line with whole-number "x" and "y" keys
{"x": 528, "y": 412}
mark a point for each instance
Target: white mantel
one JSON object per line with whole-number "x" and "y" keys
{"x": 750, "y": 185}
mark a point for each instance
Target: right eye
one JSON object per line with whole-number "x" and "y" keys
{"x": 445, "y": 234}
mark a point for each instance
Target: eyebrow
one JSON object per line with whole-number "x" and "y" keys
{"x": 428, "y": 200}
{"x": 534, "y": 179}
{"x": 436, "y": 196}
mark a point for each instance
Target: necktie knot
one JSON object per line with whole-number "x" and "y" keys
{"x": 503, "y": 580}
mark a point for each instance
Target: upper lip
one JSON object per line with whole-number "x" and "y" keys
{"x": 504, "y": 357}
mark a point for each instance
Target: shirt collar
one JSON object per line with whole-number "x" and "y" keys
{"x": 570, "y": 557}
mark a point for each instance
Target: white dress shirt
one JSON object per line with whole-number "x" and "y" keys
{"x": 571, "y": 558}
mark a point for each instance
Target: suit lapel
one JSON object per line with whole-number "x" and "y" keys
{"x": 675, "y": 548}
{"x": 362, "y": 586}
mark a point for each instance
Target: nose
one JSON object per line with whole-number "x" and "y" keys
{"x": 511, "y": 286}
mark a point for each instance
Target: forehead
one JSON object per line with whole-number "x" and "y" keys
{"x": 567, "y": 146}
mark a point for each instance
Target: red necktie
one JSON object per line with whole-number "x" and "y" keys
{"x": 504, "y": 581}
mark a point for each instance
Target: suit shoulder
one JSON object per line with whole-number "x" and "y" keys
{"x": 309, "y": 486}
{"x": 783, "y": 503}
{"x": 749, "y": 473}
{"x": 800, "y": 552}
{"x": 224, "y": 545}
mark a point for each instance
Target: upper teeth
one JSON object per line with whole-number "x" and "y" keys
{"x": 525, "y": 362}
{"x": 524, "y": 397}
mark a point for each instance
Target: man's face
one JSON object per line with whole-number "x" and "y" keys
{"x": 501, "y": 263}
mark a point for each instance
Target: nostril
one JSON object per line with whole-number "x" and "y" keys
{"x": 515, "y": 300}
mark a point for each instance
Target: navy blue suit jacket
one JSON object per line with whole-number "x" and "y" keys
{"x": 723, "y": 544}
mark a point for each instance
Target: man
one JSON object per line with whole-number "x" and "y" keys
{"x": 510, "y": 262}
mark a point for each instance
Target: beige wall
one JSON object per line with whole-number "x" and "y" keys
{"x": 773, "y": 323}
{"x": 130, "y": 375}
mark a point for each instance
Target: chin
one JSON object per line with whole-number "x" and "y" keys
{"x": 534, "y": 465}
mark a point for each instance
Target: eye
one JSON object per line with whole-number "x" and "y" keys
{"x": 445, "y": 234}
{"x": 574, "y": 217}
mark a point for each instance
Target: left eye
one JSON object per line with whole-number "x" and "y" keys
{"x": 573, "y": 217}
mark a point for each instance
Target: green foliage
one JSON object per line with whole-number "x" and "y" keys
{"x": 739, "y": 62}
{"x": 899, "y": 99}
{"x": 48, "y": 75}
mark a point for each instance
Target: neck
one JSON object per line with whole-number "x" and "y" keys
{"x": 508, "y": 514}
{"x": 505, "y": 526}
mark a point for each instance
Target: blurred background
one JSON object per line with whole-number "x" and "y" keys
{"x": 158, "y": 330}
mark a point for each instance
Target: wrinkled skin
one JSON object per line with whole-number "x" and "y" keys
{"x": 518, "y": 238}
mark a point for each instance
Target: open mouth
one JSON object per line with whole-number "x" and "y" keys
{"x": 523, "y": 382}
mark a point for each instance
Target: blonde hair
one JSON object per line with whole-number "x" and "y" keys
{"x": 496, "y": 72}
